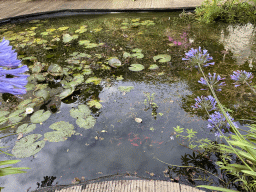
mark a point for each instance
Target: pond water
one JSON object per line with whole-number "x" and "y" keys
{"x": 115, "y": 118}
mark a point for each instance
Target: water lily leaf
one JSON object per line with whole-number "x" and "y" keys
{"x": 82, "y": 112}
{"x": 91, "y": 45}
{"x": 23, "y": 104}
{"x": 66, "y": 92}
{"x": 138, "y": 55}
{"x": 50, "y": 30}
{"x": 87, "y": 71}
{"x": 136, "y": 67}
{"x": 126, "y": 54}
{"x": 137, "y": 50}
{"x": 118, "y": 78}
{"x": 30, "y": 86}
{"x": 37, "y": 68}
{"x": 87, "y": 123}
{"x": 94, "y": 80}
{"x": 44, "y": 33}
{"x": 32, "y": 58}
{"x": 125, "y": 88}
{"x": 153, "y": 66}
{"x": 67, "y": 38}
{"x": 62, "y": 28}
{"x": 25, "y": 128}
{"x": 94, "y": 103}
{"x": 63, "y": 130}
{"x": 97, "y": 29}
{"x": 27, "y": 146}
{"x": 81, "y": 30}
{"x": 39, "y": 116}
{"x": 55, "y": 70}
{"x": 42, "y": 93}
{"x": 84, "y": 42}
{"x": 40, "y": 77}
{"x": 162, "y": 58}
{"x": 114, "y": 62}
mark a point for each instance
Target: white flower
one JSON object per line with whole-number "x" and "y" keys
{"x": 29, "y": 110}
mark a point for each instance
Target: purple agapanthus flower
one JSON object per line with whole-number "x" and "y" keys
{"x": 241, "y": 77}
{"x": 16, "y": 81}
{"x": 213, "y": 81}
{"x": 217, "y": 119}
{"x": 208, "y": 103}
{"x": 197, "y": 57}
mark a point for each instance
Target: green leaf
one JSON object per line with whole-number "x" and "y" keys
{"x": 251, "y": 173}
{"x": 82, "y": 112}
{"x": 87, "y": 123}
{"x": 162, "y": 58}
{"x": 42, "y": 93}
{"x": 27, "y": 146}
{"x": 25, "y": 128}
{"x": 126, "y": 54}
{"x": 39, "y": 116}
{"x": 136, "y": 67}
{"x": 125, "y": 88}
{"x": 94, "y": 80}
{"x": 217, "y": 188}
{"x": 94, "y": 103}
{"x": 63, "y": 130}
{"x": 153, "y": 66}
{"x": 66, "y": 92}
{"x": 114, "y": 62}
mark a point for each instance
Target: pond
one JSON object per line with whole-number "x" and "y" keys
{"x": 108, "y": 91}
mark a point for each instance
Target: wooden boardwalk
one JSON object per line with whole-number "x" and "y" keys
{"x": 131, "y": 186}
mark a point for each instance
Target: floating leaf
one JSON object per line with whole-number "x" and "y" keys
{"x": 67, "y": 38}
{"x": 84, "y": 42}
{"x": 29, "y": 58}
{"x": 62, "y": 28}
{"x": 17, "y": 116}
{"x": 94, "y": 103}
{"x": 125, "y": 88}
{"x": 55, "y": 70}
{"x": 63, "y": 130}
{"x": 118, "y": 78}
{"x": 114, "y": 62}
{"x": 126, "y": 54}
{"x": 82, "y": 112}
{"x": 25, "y": 128}
{"x": 2, "y": 116}
{"x": 137, "y": 50}
{"x": 136, "y": 67}
{"x": 87, "y": 123}
{"x": 153, "y": 66}
{"x": 138, "y": 55}
{"x": 81, "y": 30}
{"x": 94, "y": 80}
{"x": 66, "y": 92}
{"x": 162, "y": 57}
{"x": 39, "y": 116}
{"x": 43, "y": 94}
{"x": 27, "y": 146}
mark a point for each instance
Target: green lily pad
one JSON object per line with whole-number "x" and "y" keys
{"x": 126, "y": 54}
{"x": 2, "y": 116}
{"x": 66, "y": 92}
{"x": 55, "y": 70}
{"x": 25, "y": 128}
{"x": 137, "y": 50}
{"x": 32, "y": 58}
{"x": 87, "y": 123}
{"x": 81, "y": 30}
{"x": 42, "y": 93}
{"x": 125, "y": 88}
{"x": 84, "y": 42}
{"x": 94, "y": 80}
{"x": 138, "y": 55}
{"x": 37, "y": 68}
{"x": 39, "y": 116}
{"x": 63, "y": 130}
{"x": 94, "y": 103}
{"x": 27, "y": 146}
{"x": 162, "y": 57}
{"x": 114, "y": 62}
{"x": 87, "y": 71}
{"x": 17, "y": 116}
{"x": 136, "y": 67}
{"x": 62, "y": 28}
{"x": 82, "y": 112}
{"x": 153, "y": 66}
{"x": 119, "y": 78}
{"x": 67, "y": 38}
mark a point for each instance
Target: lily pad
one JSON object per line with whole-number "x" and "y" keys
{"x": 94, "y": 80}
{"x": 125, "y": 88}
{"x": 42, "y": 93}
{"x": 94, "y": 103}
{"x": 55, "y": 70}
{"x": 162, "y": 58}
{"x": 126, "y": 54}
{"x": 17, "y": 116}
{"x": 153, "y": 66}
{"x": 67, "y": 38}
{"x": 63, "y": 130}
{"x": 136, "y": 67}
{"x": 62, "y": 28}
{"x": 39, "y": 116}
{"x": 27, "y": 146}
{"x": 66, "y": 92}
{"x": 25, "y": 128}
{"x": 2, "y": 116}
{"x": 87, "y": 123}
{"x": 82, "y": 112}
{"x": 138, "y": 55}
{"x": 114, "y": 62}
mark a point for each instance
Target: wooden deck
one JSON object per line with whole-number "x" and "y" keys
{"x": 131, "y": 186}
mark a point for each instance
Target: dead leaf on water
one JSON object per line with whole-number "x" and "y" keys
{"x": 138, "y": 120}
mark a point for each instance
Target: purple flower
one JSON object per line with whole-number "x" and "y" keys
{"x": 217, "y": 134}
{"x": 217, "y": 119}
{"x": 212, "y": 81}
{"x": 241, "y": 77}
{"x": 15, "y": 82}
{"x": 208, "y": 103}
{"x": 196, "y": 57}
